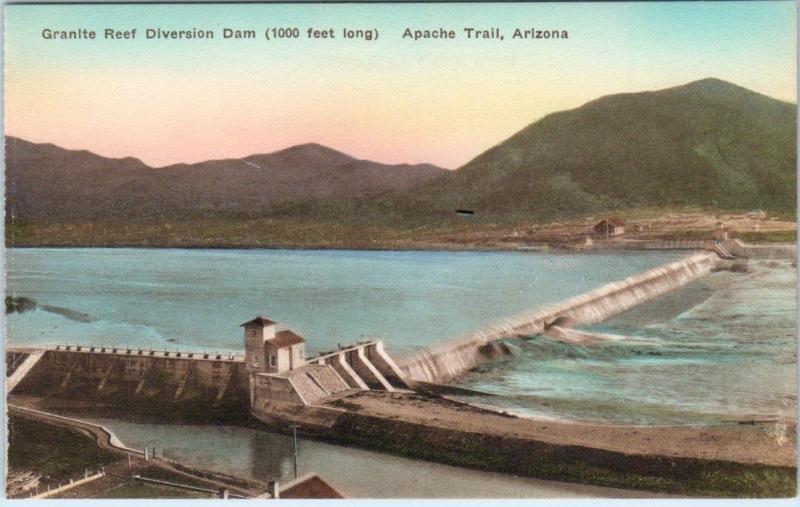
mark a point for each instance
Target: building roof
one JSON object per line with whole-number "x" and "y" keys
{"x": 258, "y": 321}
{"x": 285, "y": 339}
{"x": 615, "y": 221}
{"x": 309, "y": 487}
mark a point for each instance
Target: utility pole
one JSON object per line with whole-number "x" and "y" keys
{"x": 294, "y": 441}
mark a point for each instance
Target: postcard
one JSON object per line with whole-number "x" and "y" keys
{"x": 401, "y": 250}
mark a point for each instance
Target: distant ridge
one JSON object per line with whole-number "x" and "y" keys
{"x": 46, "y": 182}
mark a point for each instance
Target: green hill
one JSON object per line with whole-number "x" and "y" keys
{"x": 46, "y": 183}
{"x": 708, "y": 143}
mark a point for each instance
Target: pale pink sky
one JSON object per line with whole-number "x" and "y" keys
{"x": 391, "y": 100}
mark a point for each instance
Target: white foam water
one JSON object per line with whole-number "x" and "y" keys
{"x": 454, "y": 357}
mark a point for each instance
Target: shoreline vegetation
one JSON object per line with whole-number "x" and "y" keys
{"x": 644, "y": 229}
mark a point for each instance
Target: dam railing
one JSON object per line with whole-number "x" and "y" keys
{"x": 139, "y": 352}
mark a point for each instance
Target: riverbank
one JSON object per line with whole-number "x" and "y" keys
{"x": 59, "y": 451}
{"x": 252, "y": 451}
{"x": 460, "y": 233}
{"x": 51, "y": 456}
{"x": 746, "y": 459}
{"x": 736, "y": 460}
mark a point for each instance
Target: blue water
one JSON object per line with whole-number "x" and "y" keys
{"x": 196, "y": 299}
{"x": 721, "y": 349}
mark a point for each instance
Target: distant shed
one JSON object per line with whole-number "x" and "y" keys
{"x": 608, "y": 227}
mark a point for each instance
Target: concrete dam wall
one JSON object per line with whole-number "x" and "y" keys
{"x": 456, "y": 356}
{"x": 140, "y": 376}
{"x": 190, "y": 382}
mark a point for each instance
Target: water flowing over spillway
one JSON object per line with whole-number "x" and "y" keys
{"x": 456, "y": 356}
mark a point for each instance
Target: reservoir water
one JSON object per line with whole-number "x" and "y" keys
{"x": 196, "y": 299}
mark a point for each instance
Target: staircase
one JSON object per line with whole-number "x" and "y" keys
{"x": 22, "y": 369}
{"x": 308, "y": 390}
{"x": 722, "y": 251}
{"x": 316, "y": 382}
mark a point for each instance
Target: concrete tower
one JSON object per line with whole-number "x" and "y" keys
{"x": 256, "y": 333}
{"x": 271, "y": 348}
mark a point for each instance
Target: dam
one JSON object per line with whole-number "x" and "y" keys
{"x": 363, "y": 394}
{"x": 446, "y": 361}
{"x": 274, "y": 367}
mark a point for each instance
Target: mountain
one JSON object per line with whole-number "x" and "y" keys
{"x": 707, "y": 143}
{"x": 45, "y": 182}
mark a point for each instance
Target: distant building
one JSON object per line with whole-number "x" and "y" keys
{"x": 609, "y": 227}
{"x": 271, "y": 348}
{"x": 307, "y": 486}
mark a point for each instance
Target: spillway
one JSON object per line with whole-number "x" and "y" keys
{"x": 452, "y": 358}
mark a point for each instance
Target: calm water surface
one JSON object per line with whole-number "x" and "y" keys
{"x": 196, "y": 299}
{"x": 357, "y": 473}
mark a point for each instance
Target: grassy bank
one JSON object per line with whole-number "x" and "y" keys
{"x": 59, "y": 454}
{"x": 241, "y": 231}
{"x": 681, "y": 476}
{"x": 56, "y": 453}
